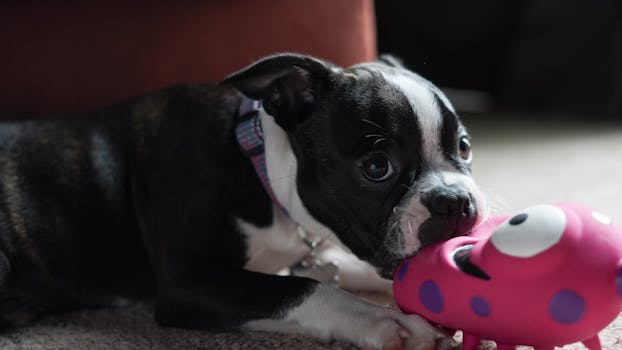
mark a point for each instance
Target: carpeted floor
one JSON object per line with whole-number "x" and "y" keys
{"x": 518, "y": 162}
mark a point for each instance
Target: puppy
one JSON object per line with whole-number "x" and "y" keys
{"x": 196, "y": 194}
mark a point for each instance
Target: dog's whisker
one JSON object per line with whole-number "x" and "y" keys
{"x": 374, "y": 124}
{"x": 486, "y": 218}
{"x": 378, "y": 141}
{"x": 368, "y": 136}
{"x": 408, "y": 187}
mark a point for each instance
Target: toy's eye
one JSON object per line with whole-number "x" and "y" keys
{"x": 531, "y": 232}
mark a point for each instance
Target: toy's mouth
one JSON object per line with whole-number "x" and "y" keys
{"x": 462, "y": 258}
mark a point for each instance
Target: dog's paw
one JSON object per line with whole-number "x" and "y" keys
{"x": 394, "y": 330}
{"x": 371, "y": 326}
{"x": 380, "y": 332}
{"x": 442, "y": 343}
{"x": 332, "y": 314}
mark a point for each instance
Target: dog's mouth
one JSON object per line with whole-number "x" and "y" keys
{"x": 387, "y": 260}
{"x": 431, "y": 231}
{"x": 439, "y": 229}
{"x": 462, "y": 258}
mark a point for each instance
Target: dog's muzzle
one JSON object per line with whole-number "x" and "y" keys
{"x": 452, "y": 213}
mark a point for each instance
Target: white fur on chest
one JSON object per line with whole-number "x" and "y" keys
{"x": 273, "y": 248}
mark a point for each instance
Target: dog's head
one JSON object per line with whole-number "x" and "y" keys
{"x": 378, "y": 155}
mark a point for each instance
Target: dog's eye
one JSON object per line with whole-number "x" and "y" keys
{"x": 377, "y": 167}
{"x": 464, "y": 148}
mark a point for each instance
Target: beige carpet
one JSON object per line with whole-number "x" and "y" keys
{"x": 518, "y": 162}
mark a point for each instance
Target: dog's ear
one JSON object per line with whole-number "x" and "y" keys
{"x": 391, "y": 61}
{"x": 287, "y": 84}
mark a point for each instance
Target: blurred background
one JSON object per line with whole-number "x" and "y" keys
{"x": 536, "y": 56}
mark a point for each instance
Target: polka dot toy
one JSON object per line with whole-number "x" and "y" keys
{"x": 549, "y": 276}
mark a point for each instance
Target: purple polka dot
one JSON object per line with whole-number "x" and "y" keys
{"x": 431, "y": 296}
{"x": 619, "y": 282}
{"x": 480, "y": 306}
{"x": 567, "y": 307}
{"x": 403, "y": 271}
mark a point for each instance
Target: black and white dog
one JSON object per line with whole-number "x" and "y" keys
{"x": 197, "y": 195}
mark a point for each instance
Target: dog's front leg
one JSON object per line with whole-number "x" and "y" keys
{"x": 330, "y": 313}
{"x": 224, "y": 298}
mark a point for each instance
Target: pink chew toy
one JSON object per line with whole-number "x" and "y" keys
{"x": 549, "y": 276}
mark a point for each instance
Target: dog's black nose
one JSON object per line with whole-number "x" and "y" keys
{"x": 450, "y": 204}
{"x": 454, "y": 207}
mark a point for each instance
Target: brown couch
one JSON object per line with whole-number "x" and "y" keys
{"x": 70, "y": 56}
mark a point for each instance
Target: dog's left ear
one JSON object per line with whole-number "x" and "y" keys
{"x": 287, "y": 84}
